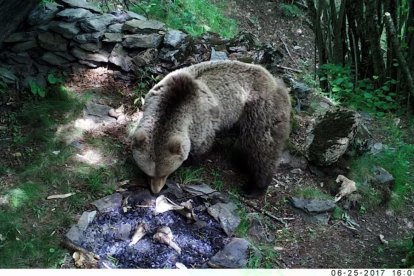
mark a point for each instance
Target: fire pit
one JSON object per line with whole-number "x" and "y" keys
{"x": 138, "y": 230}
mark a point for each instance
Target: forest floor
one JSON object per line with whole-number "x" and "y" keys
{"x": 35, "y": 164}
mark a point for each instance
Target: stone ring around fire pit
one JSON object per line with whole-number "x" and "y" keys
{"x": 190, "y": 228}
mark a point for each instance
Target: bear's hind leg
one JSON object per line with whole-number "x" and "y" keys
{"x": 264, "y": 129}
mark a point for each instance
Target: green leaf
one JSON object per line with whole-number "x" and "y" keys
{"x": 336, "y": 89}
{"x": 367, "y": 95}
{"x": 375, "y": 77}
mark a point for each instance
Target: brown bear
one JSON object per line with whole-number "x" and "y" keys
{"x": 183, "y": 113}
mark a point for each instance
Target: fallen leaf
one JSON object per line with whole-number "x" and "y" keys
{"x": 60, "y": 196}
{"x": 347, "y": 187}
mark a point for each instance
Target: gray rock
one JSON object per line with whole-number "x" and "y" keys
{"x": 168, "y": 54}
{"x": 293, "y": 161}
{"x": 240, "y": 49}
{"x": 124, "y": 232}
{"x": 313, "y": 205}
{"x": 79, "y": 4}
{"x": 120, "y": 58}
{"x": 20, "y": 58}
{"x": 115, "y": 28}
{"x": 331, "y": 136}
{"x": 65, "y": 55}
{"x": 76, "y": 231}
{"x": 53, "y": 59}
{"x": 91, "y": 64}
{"x": 174, "y": 38}
{"x": 43, "y": 14}
{"x": 142, "y": 41}
{"x": 66, "y": 29}
{"x": 97, "y": 23}
{"x": 258, "y": 231}
{"x": 267, "y": 54}
{"x": 134, "y": 15}
{"x": 24, "y": 46}
{"x": 143, "y": 26}
{"x": 202, "y": 190}
{"x": 382, "y": 177}
{"x": 76, "y": 14}
{"x": 113, "y": 37}
{"x": 7, "y": 76}
{"x": 226, "y": 215}
{"x": 91, "y": 47}
{"x": 301, "y": 90}
{"x": 86, "y": 219}
{"x": 101, "y": 56}
{"x": 145, "y": 58}
{"x": 52, "y": 41}
{"x": 218, "y": 55}
{"x": 88, "y": 38}
{"x": 20, "y": 37}
{"x": 234, "y": 255}
{"x": 109, "y": 203}
{"x": 97, "y": 114}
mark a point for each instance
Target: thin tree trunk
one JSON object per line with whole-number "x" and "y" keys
{"x": 402, "y": 61}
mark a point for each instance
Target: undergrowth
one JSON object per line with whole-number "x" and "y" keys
{"x": 193, "y": 16}
{"x": 397, "y": 158}
{"x": 31, "y": 227}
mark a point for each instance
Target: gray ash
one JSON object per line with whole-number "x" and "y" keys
{"x": 198, "y": 245}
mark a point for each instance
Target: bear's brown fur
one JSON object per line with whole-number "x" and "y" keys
{"x": 184, "y": 112}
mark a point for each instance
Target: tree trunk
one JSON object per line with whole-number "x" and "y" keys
{"x": 402, "y": 61}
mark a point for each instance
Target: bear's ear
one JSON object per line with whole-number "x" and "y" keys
{"x": 140, "y": 137}
{"x": 175, "y": 145}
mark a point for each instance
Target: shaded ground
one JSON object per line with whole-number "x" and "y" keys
{"x": 298, "y": 243}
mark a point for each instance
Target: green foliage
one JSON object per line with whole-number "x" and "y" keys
{"x": 188, "y": 175}
{"x": 193, "y": 16}
{"x": 362, "y": 95}
{"x": 290, "y": 10}
{"x": 397, "y": 159}
{"x": 37, "y": 89}
{"x": 145, "y": 82}
{"x": 31, "y": 228}
{"x": 40, "y": 90}
{"x": 217, "y": 183}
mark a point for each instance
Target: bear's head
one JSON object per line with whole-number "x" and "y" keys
{"x": 158, "y": 158}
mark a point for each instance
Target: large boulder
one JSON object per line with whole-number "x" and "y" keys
{"x": 331, "y": 136}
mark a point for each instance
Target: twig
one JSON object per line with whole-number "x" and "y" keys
{"x": 289, "y": 68}
{"x": 286, "y": 48}
{"x": 270, "y": 215}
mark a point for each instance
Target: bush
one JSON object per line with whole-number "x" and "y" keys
{"x": 362, "y": 94}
